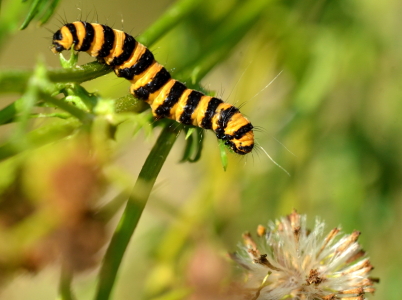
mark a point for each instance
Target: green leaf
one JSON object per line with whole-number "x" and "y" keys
{"x": 224, "y": 157}
{"x": 45, "y": 8}
{"x": 71, "y": 62}
{"x": 133, "y": 211}
{"x": 194, "y": 144}
{"x": 33, "y": 11}
{"x": 49, "y": 11}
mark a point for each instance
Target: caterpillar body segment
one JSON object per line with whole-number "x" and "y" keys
{"x": 151, "y": 82}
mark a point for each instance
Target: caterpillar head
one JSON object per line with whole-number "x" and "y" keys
{"x": 57, "y": 42}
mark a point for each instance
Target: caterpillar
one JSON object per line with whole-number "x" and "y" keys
{"x": 151, "y": 82}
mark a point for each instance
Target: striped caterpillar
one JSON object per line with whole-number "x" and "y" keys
{"x": 151, "y": 82}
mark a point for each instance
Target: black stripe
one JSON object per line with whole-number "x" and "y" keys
{"x": 224, "y": 118}
{"x": 73, "y": 31}
{"x": 155, "y": 84}
{"x": 128, "y": 48}
{"x": 89, "y": 36}
{"x": 246, "y": 149}
{"x": 226, "y": 115}
{"x": 108, "y": 41}
{"x": 175, "y": 93}
{"x": 145, "y": 61}
{"x": 240, "y": 149}
{"x": 210, "y": 112}
{"x": 141, "y": 93}
{"x": 57, "y": 36}
{"x": 242, "y": 131}
{"x": 191, "y": 104}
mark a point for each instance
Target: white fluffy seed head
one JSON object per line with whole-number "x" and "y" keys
{"x": 287, "y": 261}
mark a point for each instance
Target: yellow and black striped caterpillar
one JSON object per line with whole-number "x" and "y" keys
{"x": 151, "y": 82}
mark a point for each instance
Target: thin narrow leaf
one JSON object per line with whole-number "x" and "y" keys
{"x": 223, "y": 154}
{"x": 49, "y": 12}
{"x": 133, "y": 211}
{"x": 33, "y": 11}
{"x": 7, "y": 114}
{"x": 66, "y": 277}
{"x": 194, "y": 144}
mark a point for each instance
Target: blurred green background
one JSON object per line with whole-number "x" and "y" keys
{"x": 331, "y": 119}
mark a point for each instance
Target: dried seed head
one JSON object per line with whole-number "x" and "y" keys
{"x": 290, "y": 262}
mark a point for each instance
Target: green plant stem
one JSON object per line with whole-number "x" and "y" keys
{"x": 41, "y": 136}
{"x": 49, "y": 11}
{"x": 170, "y": 18}
{"x": 81, "y": 115}
{"x": 224, "y": 39}
{"x": 133, "y": 211}
{"x": 84, "y": 73}
{"x": 7, "y": 114}
{"x": 66, "y": 278}
{"x": 31, "y": 14}
{"x": 12, "y": 81}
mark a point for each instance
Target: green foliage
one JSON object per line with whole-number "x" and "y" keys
{"x": 194, "y": 143}
{"x": 99, "y": 118}
{"x": 335, "y": 105}
{"x": 42, "y": 8}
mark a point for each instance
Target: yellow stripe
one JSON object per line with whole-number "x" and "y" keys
{"x": 245, "y": 140}
{"x": 199, "y": 112}
{"x": 178, "y": 108}
{"x": 145, "y": 77}
{"x": 67, "y": 40}
{"x": 236, "y": 122}
{"x": 118, "y": 43}
{"x": 98, "y": 40}
{"x": 135, "y": 56}
{"x": 217, "y": 115}
{"x": 81, "y": 33}
{"x": 156, "y": 99}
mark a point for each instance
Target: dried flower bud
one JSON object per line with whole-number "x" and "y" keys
{"x": 290, "y": 262}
